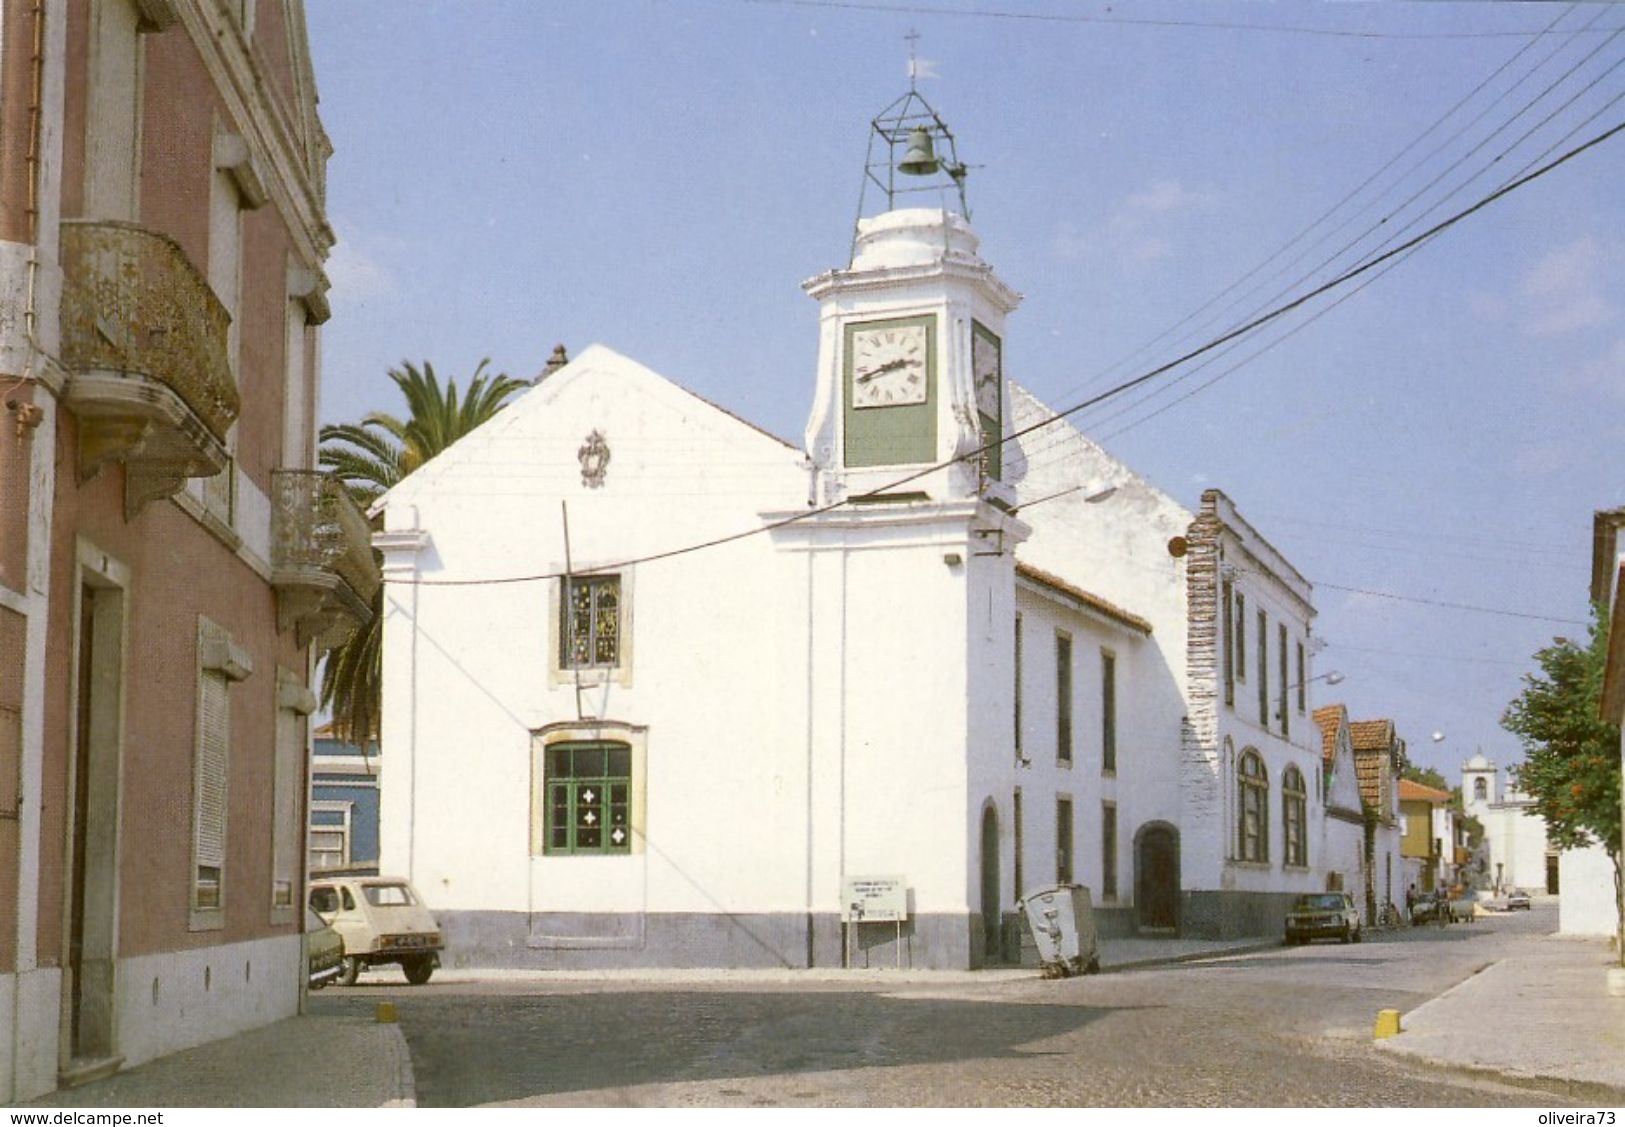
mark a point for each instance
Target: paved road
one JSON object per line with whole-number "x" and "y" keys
{"x": 1285, "y": 1027}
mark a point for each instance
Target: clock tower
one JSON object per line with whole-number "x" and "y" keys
{"x": 909, "y": 563}
{"x": 910, "y": 399}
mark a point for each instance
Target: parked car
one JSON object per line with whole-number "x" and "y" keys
{"x": 1517, "y": 898}
{"x": 381, "y": 920}
{"x": 324, "y": 951}
{"x": 1323, "y": 915}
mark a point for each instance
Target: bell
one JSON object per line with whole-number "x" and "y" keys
{"x": 920, "y": 159}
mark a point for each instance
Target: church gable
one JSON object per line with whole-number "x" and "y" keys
{"x": 607, "y": 428}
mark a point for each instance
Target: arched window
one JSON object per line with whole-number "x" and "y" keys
{"x": 1481, "y": 788}
{"x": 1294, "y": 817}
{"x": 1254, "y": 819}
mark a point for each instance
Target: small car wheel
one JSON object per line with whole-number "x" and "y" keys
{"x": 351, "y": 971}
{"x": 418, "y": 969}
{"x": 1359, "y": 935}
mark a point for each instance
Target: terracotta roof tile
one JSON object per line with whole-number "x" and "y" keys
{"x": 1371, "y": 735}
{"x": 1412, "y": 791}
{"x": 1094, "y": 602}
{"x": 1329, "y": 719}
{"x": 1368, "y": 770}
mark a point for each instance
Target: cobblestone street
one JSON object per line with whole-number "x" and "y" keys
{"x": 1285, "y": 1027}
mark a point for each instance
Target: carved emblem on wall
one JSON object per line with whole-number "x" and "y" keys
{"x": 594, "y": 458}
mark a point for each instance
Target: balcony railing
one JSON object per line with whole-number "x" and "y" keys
{"x": 145, "y": 341}
{"x": 321, "y": 556}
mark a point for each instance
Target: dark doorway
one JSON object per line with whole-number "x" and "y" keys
{"x": 991, "y": 943}
{"x": 93, "y": 821}
{"x": 1156, "y": 878}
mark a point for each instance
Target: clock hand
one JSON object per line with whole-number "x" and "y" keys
{"x": 888, "y": 366}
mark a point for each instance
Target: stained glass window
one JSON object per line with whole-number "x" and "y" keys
{"x": 591, "y": 623}
{"x": 589, "y": 797}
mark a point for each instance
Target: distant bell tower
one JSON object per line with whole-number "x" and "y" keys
{"x": 910, "y": 380}
{"x": 1478, "y": 785}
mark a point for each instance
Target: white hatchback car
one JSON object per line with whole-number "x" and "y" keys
{"x": 381, "y": 920}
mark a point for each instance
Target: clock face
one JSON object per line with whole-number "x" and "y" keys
{"x": 889, "y": 366}
{"x": 985, "y": 371}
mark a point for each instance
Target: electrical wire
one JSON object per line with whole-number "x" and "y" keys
{"x": 1127, "y": 385}
{"x": 1037, "y": 455}
{"x": 1448, "y": 605}
{"x": 1134, "y": 21}
{"x": 1172, "y": 330}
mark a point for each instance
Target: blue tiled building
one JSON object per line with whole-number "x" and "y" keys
{"x": 343, "y": 804}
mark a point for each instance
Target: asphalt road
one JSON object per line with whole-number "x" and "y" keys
{"x": 1288, "y": 1027}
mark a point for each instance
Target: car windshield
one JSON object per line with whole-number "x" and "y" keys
{"x": 387, "y": 895}
{"x": 1326, "y": 901}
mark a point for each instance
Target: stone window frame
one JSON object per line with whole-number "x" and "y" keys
{"x": 294, "y": 705}
{"x": 221, "y": 663}
{"x": 561, "y": 672}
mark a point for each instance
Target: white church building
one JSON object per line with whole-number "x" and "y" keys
{"x": 661, "y": 689}
{"x": 1516, "y": 852}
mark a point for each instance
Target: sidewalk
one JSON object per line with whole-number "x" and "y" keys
{"x": 304, "y": 1061}
{"x": 333, "y": 1061}
{"x": 1545, "y": 1015}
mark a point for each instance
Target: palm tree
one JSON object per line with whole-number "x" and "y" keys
{"x": 369, "y": 458}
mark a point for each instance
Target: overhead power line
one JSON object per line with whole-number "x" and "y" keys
{"x": 1450, "y": 605}
{"x": 1138, "y": 21}
{"x": 1394, "y": 231}
{"x": 1162, "y": 369}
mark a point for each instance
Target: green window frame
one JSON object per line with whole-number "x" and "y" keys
{"x": 1253, "y": 823}
{"x": 1108, "y": 712}
{"x": 1108, "y": 851}
{"x": 588, "y": 797}
{"x": 1063, "y": 840}
{"x": 1063, "y": 697}
{"x": 1295, "y": 818}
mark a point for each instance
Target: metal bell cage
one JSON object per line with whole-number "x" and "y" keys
{"x": 910, "y": 124}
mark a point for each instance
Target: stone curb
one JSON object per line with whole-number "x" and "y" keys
{"x": 1506, "y": 1074}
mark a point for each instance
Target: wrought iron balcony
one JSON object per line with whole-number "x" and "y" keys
{"x": 144, "y": 338}
{"x": 321, "y": 557}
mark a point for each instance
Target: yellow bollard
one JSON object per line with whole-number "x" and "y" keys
{"x": 1387, "y": 1024}
{"x": 384, "y": 1014}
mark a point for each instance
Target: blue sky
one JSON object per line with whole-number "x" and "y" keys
{"x": 660, "y": 175}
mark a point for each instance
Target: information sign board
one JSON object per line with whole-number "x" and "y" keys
{"x": 874, "y": 900}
